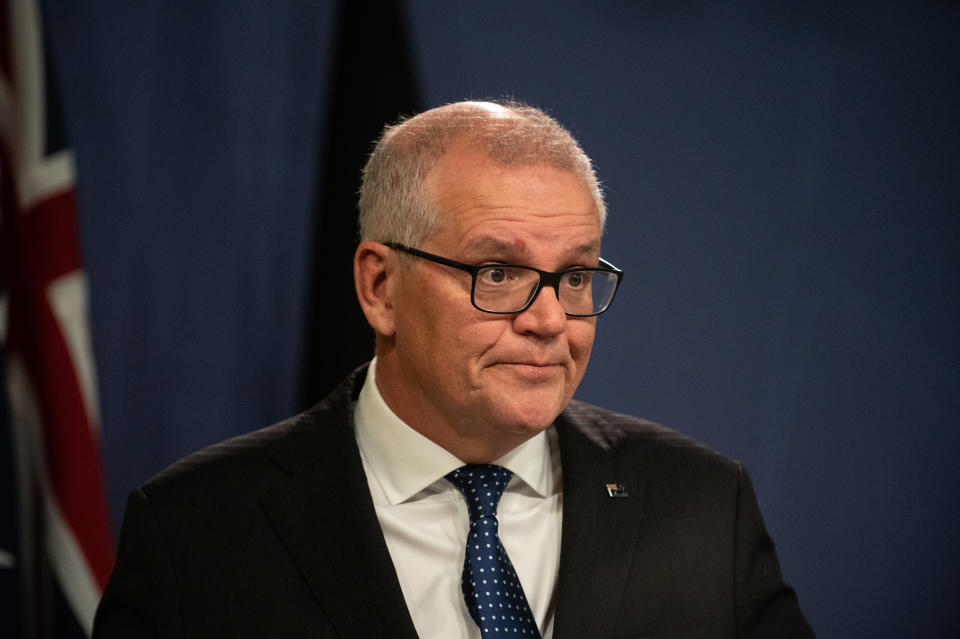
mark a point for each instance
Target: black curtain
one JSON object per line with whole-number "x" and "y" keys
{"x": 374, "y": 84}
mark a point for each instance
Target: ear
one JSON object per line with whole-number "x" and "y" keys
{"x": 373, "y": 267}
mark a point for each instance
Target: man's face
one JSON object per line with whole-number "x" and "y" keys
{"x": 460, "y": 372}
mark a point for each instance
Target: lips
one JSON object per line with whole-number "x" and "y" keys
{"x": 535, "y": 364}
{"x": 531, "y": 363}
{"x": 532, "y": 371}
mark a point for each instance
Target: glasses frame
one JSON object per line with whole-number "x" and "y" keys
{"x": 547, "y": 278}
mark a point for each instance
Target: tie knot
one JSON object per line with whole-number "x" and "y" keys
{"x": 482, "y": 486}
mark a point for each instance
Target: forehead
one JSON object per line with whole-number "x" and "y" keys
{"x": 487, "y": 207}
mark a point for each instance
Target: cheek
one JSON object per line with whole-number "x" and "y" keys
{"x": 422, "y": 311}
{"x": 580, "y": 337}
{"x": 474, "y": 335}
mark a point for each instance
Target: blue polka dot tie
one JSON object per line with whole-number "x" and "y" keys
{"x": 491, "y": 589}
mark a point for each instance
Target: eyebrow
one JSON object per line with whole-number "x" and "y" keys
{"x": 592, "y": 246}
{"x": 490, "y": 244}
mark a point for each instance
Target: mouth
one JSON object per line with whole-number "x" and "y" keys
{"x": 533, "y": 371}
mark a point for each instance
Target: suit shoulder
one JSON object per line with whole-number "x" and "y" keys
{"x": 223, "y": 467}
{"x": 242, "y": 466}
{"x": 618, "y": 432}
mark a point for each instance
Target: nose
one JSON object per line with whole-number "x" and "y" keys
{"x": 544, "y": 316}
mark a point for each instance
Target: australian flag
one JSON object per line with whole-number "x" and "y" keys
{"x": 56, "y": 548}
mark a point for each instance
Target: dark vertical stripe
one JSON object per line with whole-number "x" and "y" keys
{"x": 56, "y": 131}
{"x": 10, "y": 580}
{"x": 374, "y": 84}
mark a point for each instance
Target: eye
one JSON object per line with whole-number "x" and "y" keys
{"x": 576, "y": 279}
{"x": 503, "y": 277}
{"x": 495, "y": 275}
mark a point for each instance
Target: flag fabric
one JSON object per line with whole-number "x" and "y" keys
{"x": 49, "y": 368}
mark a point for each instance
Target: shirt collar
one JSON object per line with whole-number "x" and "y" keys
{"x": 405, "y": 462}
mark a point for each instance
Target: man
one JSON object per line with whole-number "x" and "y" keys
{"x": 452, "y": 488}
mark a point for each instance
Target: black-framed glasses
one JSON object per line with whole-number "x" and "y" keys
{"x": 508, "y": 288}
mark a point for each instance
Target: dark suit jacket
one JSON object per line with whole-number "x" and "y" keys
{"x": 274, "y": 534}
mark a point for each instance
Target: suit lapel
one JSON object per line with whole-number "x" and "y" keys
{"x": 599, "y": 531}
{"x": 325, "y": 517}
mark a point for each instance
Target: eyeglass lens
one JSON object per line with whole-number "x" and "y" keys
{"x": 507, "y": 289}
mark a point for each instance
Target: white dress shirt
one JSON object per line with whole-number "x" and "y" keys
{"x": 425, "y": 521}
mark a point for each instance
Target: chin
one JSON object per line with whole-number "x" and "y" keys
{"x": 532, "y": 411}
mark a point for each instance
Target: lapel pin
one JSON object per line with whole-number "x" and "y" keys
{"x": 617, "y": 490}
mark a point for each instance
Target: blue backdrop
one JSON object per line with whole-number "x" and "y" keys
{"x": 784, "y": 200}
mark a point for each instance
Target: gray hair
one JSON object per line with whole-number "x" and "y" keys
{"x": 394, "y": 203}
